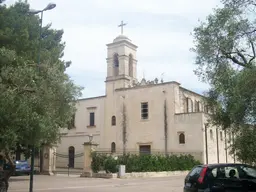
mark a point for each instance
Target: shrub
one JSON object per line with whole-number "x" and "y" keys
{"x": 110, "y": 165}
{"x": 97, "y": 161}
{"x": 143, "y": 163}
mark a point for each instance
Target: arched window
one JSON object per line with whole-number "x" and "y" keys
{"x": 197, "y": 107}
{"x": 190, "y": 105}
{"x": 186, "y": 105}
{"x": 116, "y": 64}
{"x": 113, "y": 120}
{"x": 130, "y": 65}
{"x": 221, "y": 136}
{"x": 206, "y": 108}
{"x": 71, "y": 157}
{"x": 113, "y": 147}
{"x": 211, "y": 134}
{"x": 182, "y": 138}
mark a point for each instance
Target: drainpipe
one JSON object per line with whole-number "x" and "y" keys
{"x": 165, "y": 128}
{"x": 233, "y": 141}
{"x": 206, "y": 142}
{"x": 226, "y": 148}
{"x": 124, "y": 126}
{"x": 217, "y": 137}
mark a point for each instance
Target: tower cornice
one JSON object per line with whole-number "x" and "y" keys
{"x": 122, "y": 43}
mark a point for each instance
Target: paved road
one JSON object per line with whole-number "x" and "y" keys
{"x": 77, "y": 184}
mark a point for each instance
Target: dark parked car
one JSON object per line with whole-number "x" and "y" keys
{"x": 221, "y": 178}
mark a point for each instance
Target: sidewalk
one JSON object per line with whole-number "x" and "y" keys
{"x": 66, "y": 171}
{"x": 62, "y": 184}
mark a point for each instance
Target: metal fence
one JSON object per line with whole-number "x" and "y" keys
{"x": 69, "y": 163}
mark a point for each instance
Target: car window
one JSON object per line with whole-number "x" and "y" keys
{"x": 195, "y": 172}
{"x": 21, "y": 163}
{"x": 224, "y": 172}
{"x": 214, "y": 172}
{"x": 231, "y": 172}
{"x": 250, "y": 171}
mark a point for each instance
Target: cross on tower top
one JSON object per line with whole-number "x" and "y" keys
{"x": 122, "y": 26}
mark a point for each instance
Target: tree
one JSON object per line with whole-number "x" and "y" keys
{"x": 36, "y": 101}
{"x": 225, "y": 56}
{"x": 245, "y": 146}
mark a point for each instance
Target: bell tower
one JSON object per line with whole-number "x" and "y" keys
{"x": 121, "y": 62}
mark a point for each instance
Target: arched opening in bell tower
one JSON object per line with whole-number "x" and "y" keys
{"x": 115, "y": 64}
{"x": 131, "y": 65}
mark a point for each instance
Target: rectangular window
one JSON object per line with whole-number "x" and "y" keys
{"x": 145, "y": 149}
{"x": 92, "y": 119}
{"x": 144, "y": 110}
{"x": 71, "y": 124}
{"x": 73, "y": 121}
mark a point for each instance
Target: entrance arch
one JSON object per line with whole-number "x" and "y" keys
{"x": 71, "y": 157}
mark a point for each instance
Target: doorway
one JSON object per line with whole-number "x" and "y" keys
{"x": 71, "y": 157}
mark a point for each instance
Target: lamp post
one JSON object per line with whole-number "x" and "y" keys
{"x": 206, "y": 142}
{"x": 90, "y": 138}
{"x": 34, "y": 12}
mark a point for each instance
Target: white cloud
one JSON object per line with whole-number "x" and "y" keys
{"x": 179, "y": 7}
{"x": 161, "y": 29}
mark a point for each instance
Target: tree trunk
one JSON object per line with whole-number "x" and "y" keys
{"x": 4, "y": 182}
{"x": 3, "y": 185}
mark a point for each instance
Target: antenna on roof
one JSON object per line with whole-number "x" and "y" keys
{"x": 162, "y": 77}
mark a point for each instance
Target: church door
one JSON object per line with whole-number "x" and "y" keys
{"x": 71, "y": 157}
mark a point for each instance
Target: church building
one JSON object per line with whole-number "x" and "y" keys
{"x": 141, "y": 116}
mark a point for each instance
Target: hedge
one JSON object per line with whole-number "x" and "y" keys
{"x": 142, "y": 163}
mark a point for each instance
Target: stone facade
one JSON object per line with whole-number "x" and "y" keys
{"x": 152, "y": 116}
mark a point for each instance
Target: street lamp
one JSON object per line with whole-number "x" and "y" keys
{"x": 90, "y": 138}
{"x": 34, "y": 12}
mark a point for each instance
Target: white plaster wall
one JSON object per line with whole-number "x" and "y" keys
{"x": 78, "y": 135}
{"x": 191, "y": 124}
{"x": 77, "y": 142}
{"x": 139, "y": 131}
{"x": 212, "y": 145}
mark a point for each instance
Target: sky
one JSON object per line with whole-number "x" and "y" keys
{"x": 160, "y": 28}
